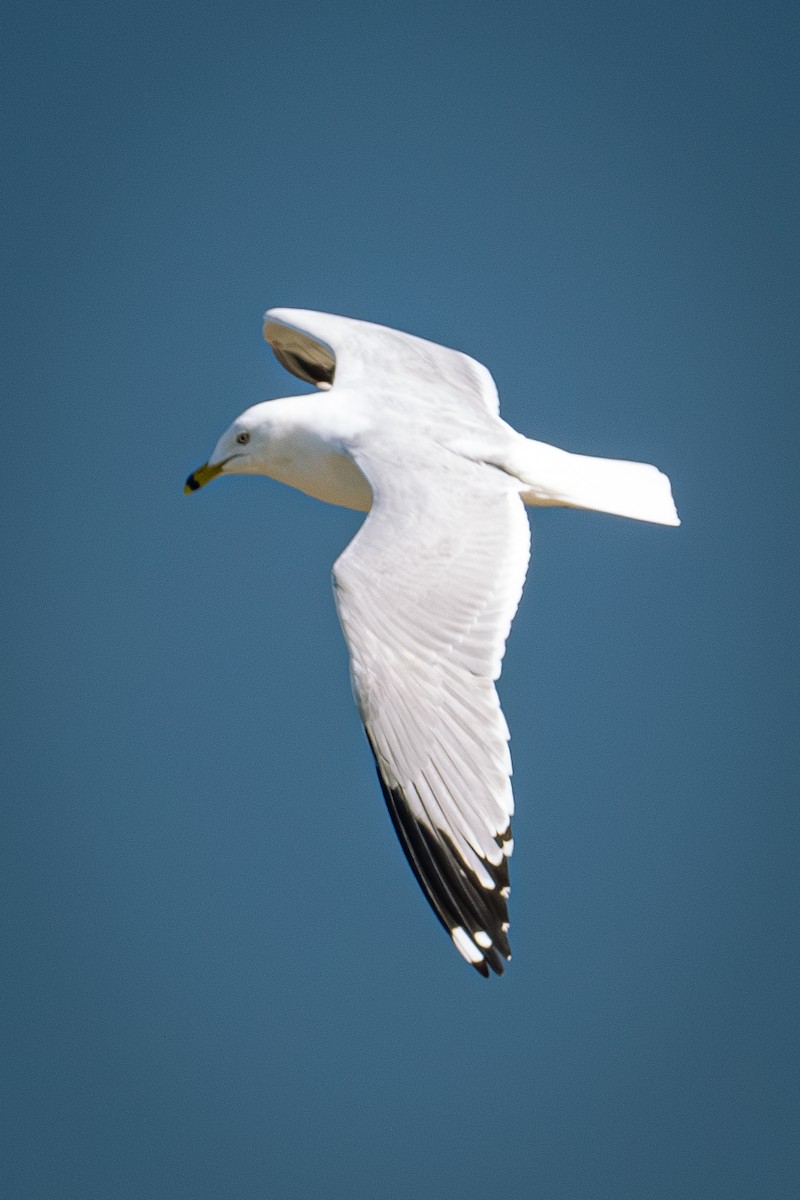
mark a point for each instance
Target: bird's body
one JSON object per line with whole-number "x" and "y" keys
{"x": 410, "y": 432}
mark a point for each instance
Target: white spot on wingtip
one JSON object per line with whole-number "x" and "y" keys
{"x": 508, "y": 847}
{"x": 482, "y": 938}
{"x": 483, "y": 876}
{"x": 465, "y": 945}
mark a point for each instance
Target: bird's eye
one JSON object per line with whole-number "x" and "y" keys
{"x": 243, "y": 438}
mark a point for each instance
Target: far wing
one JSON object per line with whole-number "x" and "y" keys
{"x": 426, "y": 592}
{"x": 326, "y": 350}
{"x": 303, "y": 355}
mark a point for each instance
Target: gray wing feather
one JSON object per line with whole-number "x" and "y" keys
{"x": 426, "y": 592}
{"x": 325, "y": 349}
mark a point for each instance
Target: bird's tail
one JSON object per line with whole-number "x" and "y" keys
{"x": 627, "y": 489}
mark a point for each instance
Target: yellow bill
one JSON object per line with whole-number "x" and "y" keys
{"x": 201, "y": 477}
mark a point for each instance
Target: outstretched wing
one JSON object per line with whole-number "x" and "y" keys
{"x": 328, "y": 350}
{"x": 426, "y": 592}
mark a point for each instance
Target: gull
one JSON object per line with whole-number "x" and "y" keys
{"x": 409, "y": 432}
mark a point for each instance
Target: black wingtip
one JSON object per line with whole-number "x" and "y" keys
{"x": 459, "y": 902}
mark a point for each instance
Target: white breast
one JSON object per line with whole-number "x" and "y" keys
{"x": 319, "y": 470}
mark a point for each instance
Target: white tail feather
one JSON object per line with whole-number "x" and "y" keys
{"x": 626, "y": 489}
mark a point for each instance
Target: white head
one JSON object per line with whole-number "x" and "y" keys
{"x": 242, "y": 449}
{"x": 298, "y": 440}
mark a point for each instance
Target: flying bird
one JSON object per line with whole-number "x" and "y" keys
{"x": 409, "y": 432}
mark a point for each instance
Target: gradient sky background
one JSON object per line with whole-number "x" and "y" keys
{"x": 220, "y": 978}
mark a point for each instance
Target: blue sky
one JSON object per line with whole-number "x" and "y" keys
{"x": 220, "y": 976}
